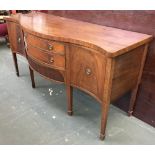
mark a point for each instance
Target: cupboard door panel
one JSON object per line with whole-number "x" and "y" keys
{"x": 16, "y": 38}
{"x": 87, "y": 70}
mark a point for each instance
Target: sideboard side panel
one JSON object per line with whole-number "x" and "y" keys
{"x": 126, "y": 72}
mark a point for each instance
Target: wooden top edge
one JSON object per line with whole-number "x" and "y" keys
{"x": 97, "y": 43}
{"x": 125, "y": 50}
{"x": 13, "y": 18}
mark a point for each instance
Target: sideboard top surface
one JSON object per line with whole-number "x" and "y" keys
{"x": 111, "y": 41}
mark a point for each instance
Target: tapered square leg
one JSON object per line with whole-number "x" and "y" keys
{"x": 132, "y": 100}
{"x": 32, "y": 77}
{"x": 104, "y": 114}
{"x": 15, "y": 63}
{"x": 70, "y": 100}
{"x": 106, "y": 96}
{"x": 135, "y": 90}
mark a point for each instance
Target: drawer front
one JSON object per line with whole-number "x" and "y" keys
{"x": 50, "y": 73}
{"x": 46, "y": 58}
{"x": 52, "y": 46}
{"x": 87, "y": 70}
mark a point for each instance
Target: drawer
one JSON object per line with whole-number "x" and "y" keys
{"x": 48, "y": 72}
{"x": 87, "y": 70}
{"x": 46, "y": 58}
{"x": 48, "y": 45}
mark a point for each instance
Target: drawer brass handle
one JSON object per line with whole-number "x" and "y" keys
{"x": 52, "y": 60}
{"x": 88, "y": 71}
{"x": 25, "y": 42}
{"x": 50, "y": 47}
{"x": 19, "y": 40}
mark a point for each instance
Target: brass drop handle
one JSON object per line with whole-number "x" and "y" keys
{"x": 51, "y": 59}
{"x": 25, "y": 43}
{"x": 50, "y": 47}
{"x": 19, "y": 40}
{"x": 88, "y": 71}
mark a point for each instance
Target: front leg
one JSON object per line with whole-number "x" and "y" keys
{"x": 104, "y": 114}
{"x": 32, "y": 77}
{"x": 69, "y": 88}
{"x": 70, "y": 99}
{"x": 106, "y": 95}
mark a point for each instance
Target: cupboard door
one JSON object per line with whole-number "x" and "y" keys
{"x": 87, "y": 68}
{"x": 16, "y": 38}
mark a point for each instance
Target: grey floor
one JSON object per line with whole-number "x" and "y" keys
{"x": 38, "y": 116}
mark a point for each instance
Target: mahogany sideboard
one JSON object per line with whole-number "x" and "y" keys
{"x": 104, "y": 62}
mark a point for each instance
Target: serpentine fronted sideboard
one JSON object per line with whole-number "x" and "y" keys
{"x": 104, "y": 62}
